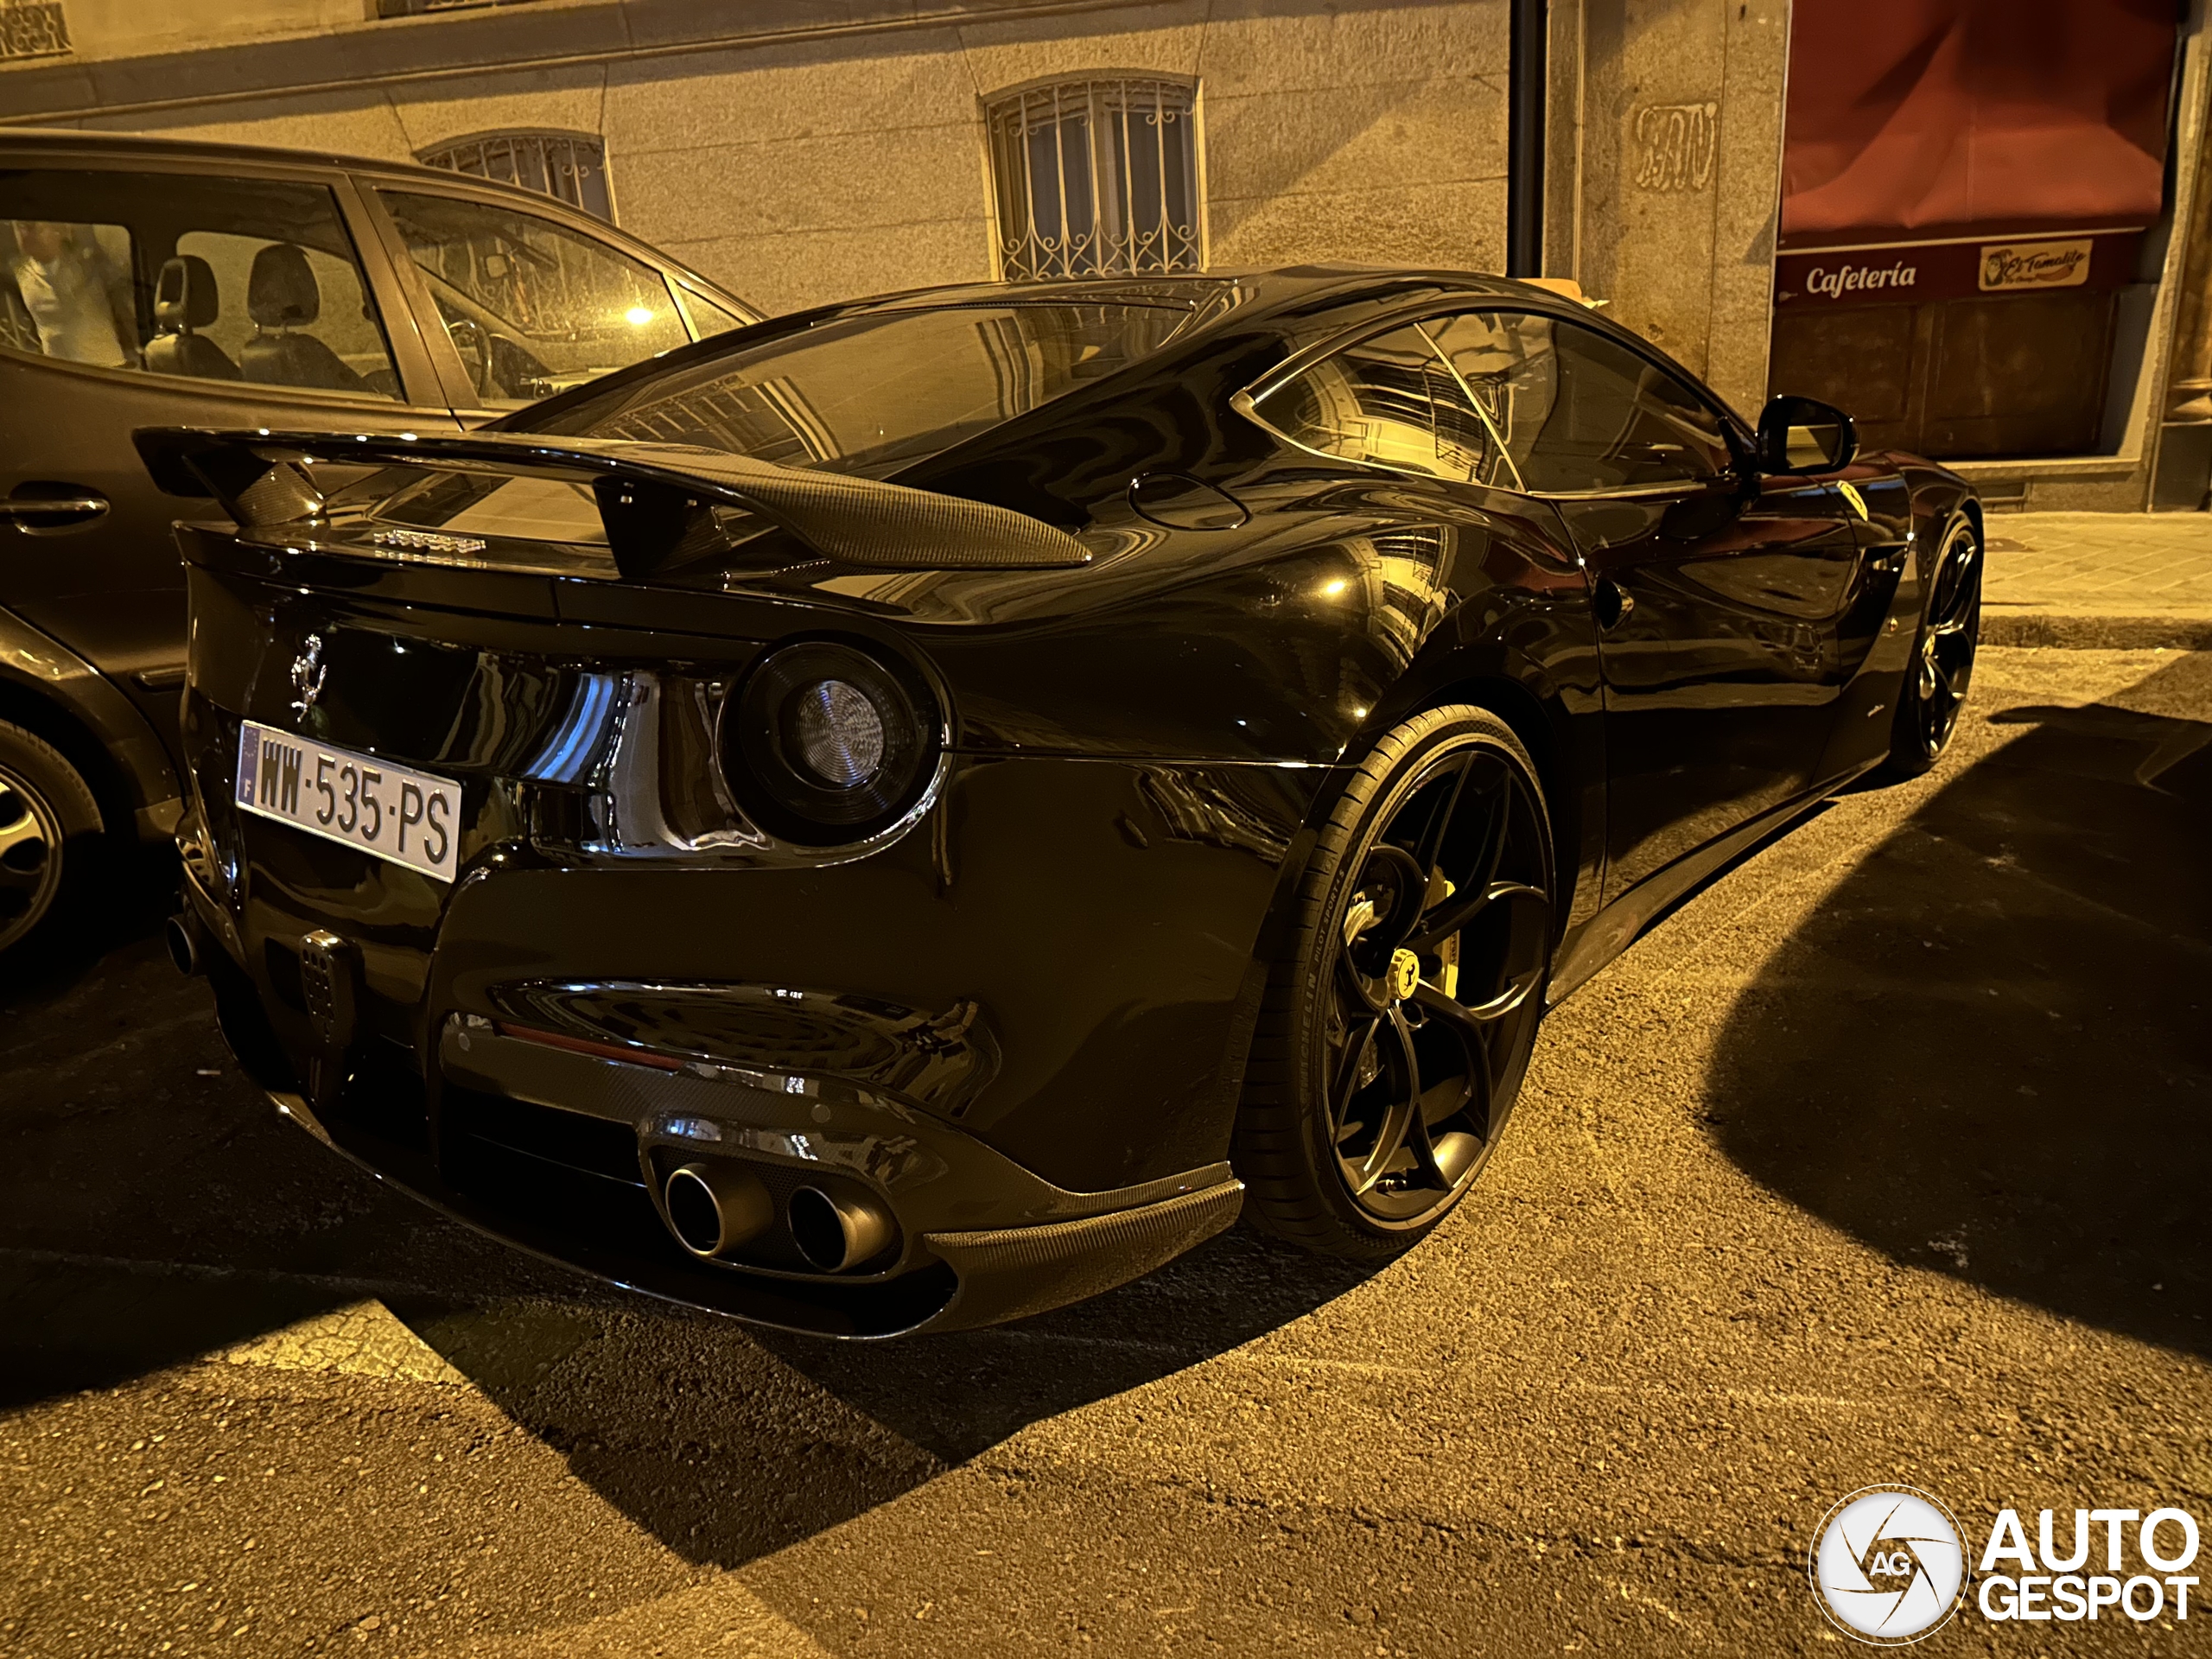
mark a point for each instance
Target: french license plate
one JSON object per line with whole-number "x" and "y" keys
{"x": 408, "y": 817}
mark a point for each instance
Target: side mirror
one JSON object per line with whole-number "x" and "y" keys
{"x": 1800, "y": 435}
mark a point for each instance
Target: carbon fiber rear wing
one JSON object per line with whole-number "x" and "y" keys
{"x": 653, "y": 498}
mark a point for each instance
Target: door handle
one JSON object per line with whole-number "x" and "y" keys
{"x": 45, "y": 515}
{"x": 1612, "y": 603}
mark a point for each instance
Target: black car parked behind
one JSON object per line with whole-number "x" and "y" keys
{"x": 152, "y": 281}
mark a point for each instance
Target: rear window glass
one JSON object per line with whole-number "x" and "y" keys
{"x": 872, "y": 394}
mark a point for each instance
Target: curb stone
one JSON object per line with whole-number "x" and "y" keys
{"x": 2076, "y": 633}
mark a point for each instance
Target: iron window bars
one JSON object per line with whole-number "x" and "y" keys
{"x": 33, "y": 28}
{"x": 1097, "y": 177}
{"x": 569, "y": 167}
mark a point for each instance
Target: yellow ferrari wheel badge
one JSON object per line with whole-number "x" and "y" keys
{"x": 1404, "y": 974}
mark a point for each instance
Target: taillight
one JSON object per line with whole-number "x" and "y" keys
{"x": 826, "y": 744}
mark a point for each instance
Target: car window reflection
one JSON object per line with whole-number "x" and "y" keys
{"x": 203, "y": 278}
{"x": 533, "y": 307}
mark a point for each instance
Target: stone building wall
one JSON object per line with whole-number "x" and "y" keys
{"x": 799, "y": 165}
{"x": 1678, "y": 173}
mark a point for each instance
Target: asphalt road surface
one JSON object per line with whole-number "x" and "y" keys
{"x": 1885, "y": 1158}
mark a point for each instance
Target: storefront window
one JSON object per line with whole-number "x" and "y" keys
{"x": 1965, "y": 184}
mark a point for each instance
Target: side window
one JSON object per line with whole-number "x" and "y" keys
{"x": 1376, "y": 402}
{"x": 1577, "y": 411}
{"x": 246, "y": 280}
{"x": 533, "y": 307}
{"x": 345, "y": 320}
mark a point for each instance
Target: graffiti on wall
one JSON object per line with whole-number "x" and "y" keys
{"x": 1675, "y": 144}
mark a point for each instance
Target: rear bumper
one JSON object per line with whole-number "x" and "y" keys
{"x": 985, "y": 1276}
{"x": 561, "y": 1144}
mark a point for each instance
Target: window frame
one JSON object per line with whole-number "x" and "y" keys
{"x": 1741, "y": 448}
{"x": 421, "y": 387}
{"x": 994, "y": 104}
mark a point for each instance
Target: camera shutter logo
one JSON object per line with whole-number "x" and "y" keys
{"x": 1887, "y": 1566}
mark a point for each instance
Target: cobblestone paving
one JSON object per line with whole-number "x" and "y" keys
{"x": 2111, "y": 564}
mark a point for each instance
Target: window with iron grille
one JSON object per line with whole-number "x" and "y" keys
{"x": 1097, "y": 177}
{"x": 33, "y": 28}
{"x": 569, "y": 167}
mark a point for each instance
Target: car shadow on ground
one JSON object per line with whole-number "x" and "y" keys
{"x": 1989, "y": 1053}
{"x": 156, "y": 1210}
{"x": 729, "y": 1443}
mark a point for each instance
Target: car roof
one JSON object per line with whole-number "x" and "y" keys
{"x": 123, "y": 146}
{"x": 1312, "y": 305}
{"x": 1308, "y": 305}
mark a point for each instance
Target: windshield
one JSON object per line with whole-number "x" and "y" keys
{"x": 873, "y": 393}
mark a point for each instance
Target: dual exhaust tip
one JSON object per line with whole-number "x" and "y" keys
{"x": 713, "y": 1208}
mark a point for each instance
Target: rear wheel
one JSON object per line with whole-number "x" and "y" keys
{"x": 1392, "y": 1042}
{"x": 1941, "y": 669}
{"x": 48, "y": 830}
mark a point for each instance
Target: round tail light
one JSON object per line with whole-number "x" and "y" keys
{"x": 826, "y": 744}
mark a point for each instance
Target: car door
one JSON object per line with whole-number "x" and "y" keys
{"x": 1470, "y": 533}
{"x": 522, "y": 304}
{"x": 1720, "y": 595}
{"x": 139, "y": 294}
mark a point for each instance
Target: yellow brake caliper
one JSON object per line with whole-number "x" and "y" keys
{"x": 1447, "y": 952}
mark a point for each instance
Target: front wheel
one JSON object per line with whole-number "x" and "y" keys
{"x": 1938, "y": 678}
{"x": 1392, "y": 1040}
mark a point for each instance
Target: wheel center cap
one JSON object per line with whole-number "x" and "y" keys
{"x": 1404, "y": 974}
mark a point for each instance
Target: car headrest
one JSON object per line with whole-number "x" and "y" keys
{"x": 281, "y": 290}
{"x": 184, "y": 294}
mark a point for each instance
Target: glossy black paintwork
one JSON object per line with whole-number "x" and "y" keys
{"x": 1137, "y": 752}
{"x": 110, "y": 594}
{"x": 1749, "y": 616}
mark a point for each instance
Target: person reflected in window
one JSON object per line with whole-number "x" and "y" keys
{"x": 80, "y": 303}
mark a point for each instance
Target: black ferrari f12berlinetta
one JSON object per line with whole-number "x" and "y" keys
{"x": 913, "y": 813}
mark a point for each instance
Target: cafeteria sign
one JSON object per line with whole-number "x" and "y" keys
{"x": 1915, "y": 273}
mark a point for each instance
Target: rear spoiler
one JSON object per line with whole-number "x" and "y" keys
{"x": 653, "y": 498}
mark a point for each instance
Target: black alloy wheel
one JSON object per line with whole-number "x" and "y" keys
{"x": 1941, "y": 672}
{"x": 1391, "y": 1044}
{"x": 41, "y": 800}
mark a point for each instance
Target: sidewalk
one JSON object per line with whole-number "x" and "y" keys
{"x": 2131, "y": 579}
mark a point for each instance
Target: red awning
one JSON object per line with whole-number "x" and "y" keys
{"x": 1913, "y": 120}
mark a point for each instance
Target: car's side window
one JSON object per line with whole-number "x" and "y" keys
{"x": 251, "y": 280}
{"x": 1394, "y": 400}
{"x": 1578, "y": 412}
{"x": 345, "y": 319}
{"x": 532, "y": 306}
{"x": 1375, "y": 402}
